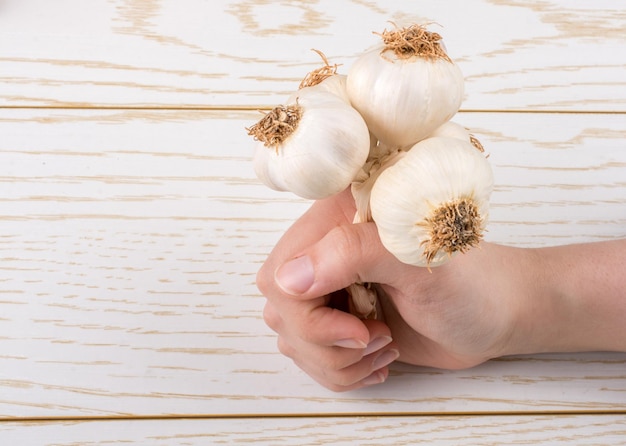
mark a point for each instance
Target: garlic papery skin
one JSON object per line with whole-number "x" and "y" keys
{"x": 433, "y": 202}
{"x": 335, "y": 84}
{"x": 454, "y": 130}
{"x": 326, "y": 78}
{"x": 319, "y": 154}
{"x": 404, "y": 97}
{"x": 451, "y": 129}
{"x": 365, "y": 180}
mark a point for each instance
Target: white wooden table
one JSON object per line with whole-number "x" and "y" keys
{"x": 132, "y": 226}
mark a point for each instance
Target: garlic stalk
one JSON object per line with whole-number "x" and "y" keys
{"x": 335, "y": 84}
{"x": 326, "y": 79}
{"x": 313, "y": 146}
{"x": 406, "y": 86}
{"x": 366, "y": 178}
{"x": 433, "y": 202}
{"x": 363, "y": 301}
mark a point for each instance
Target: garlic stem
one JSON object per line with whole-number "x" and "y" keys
{"x": 365, "y": 180}
{"x": 412, "y": 41}
{"x": 363, "y": 300}
{"x": 320, "y": 74}
{"x": 277, "y": 125}
{"x": 454, "y": 226}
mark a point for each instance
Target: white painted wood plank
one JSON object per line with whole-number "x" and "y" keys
{"x": 410, "y": 430}
{"x": 549, "y": 55}
{"x": 554, "y": 176}
{"x": 129, "y": 241}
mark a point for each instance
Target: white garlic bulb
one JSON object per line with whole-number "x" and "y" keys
{"x": 313, "y": 146}
{"x": 404, "y": 93}
{"x": 335, "y": 84}
{"x": 454, "y": 130}
{"x": 325, "y": 78}
{"x": 433, "y": 202}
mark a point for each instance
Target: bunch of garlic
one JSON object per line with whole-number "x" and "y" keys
{"x": 427, "y": 185}
{"x": 385, "y": 131}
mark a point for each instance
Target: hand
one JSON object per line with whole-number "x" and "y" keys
{"x": 451, "y": 326}
{"x": 488, "y": 302}
{"x": 335, "y": 348}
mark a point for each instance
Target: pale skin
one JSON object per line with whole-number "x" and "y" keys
{"x": 490, "y": 302}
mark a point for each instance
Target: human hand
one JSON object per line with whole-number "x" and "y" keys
{"x": 446, "y": 318}
{"x": 491, "y": 301}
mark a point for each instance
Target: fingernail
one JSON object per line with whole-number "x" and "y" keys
{"x": 350, "y": 343}
{"x": 296, "y": 276}
{"x": 377, "y": 344}
{"x": 376, "y": 377}
{"x": 385, "y": 358}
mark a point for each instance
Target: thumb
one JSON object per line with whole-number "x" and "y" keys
{"x": 345, "y": 255}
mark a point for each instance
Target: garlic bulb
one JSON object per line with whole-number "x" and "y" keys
{"x": 405, "y": 87}
{"x": 335, "y": 84}
{"x": 313, "y": 147}
{"x": 454, "y": 130}
{"x": 383, "y": 157}
{"x": 433, "y": 202}
{"x": 326, "y": 79}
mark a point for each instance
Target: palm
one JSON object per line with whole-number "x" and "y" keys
{"x": 446, "y": 327}
{"x": 453, "y": 326}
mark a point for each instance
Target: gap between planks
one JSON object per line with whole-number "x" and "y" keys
{"x": 70, "y": 107}
{"x": 315, "y": 415}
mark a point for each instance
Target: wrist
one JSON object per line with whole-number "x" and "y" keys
{"x": 572, "y": 300}
{"x": 544, "y": 313}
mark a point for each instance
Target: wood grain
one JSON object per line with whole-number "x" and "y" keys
{"x": 132, "y": 226}
{"x": 130, "y": 241}
{"x": 548, "y": 55}
{"x": 433, "y": 430}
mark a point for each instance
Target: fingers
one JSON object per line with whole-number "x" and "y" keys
{"x": 320, "y": 255}
{"x": 313, "y": 322}
{"x": 336, "y": 367}
{"x": 301, "y": 316}
{"x": 370, "y": 370}
{"x": 335, "y": 348}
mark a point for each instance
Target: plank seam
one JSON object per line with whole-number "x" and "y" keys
{"x": 468, "y": 414}
{"x": 228, "y": 108}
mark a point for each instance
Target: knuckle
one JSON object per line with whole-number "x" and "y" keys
{"x": 272, "y": 317}
{"x": 338, "y": 363}
{"x": 308, "y": 329}
{"x": 285, "y": 348}
{"x": 347, "y": 243}
{"x": 340, "y": 380}
{"x": 264, "y": 280}
{"x": 322, "y": 370}
{"x": 354, "y": 247}
{"x": 337, "y": 388}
